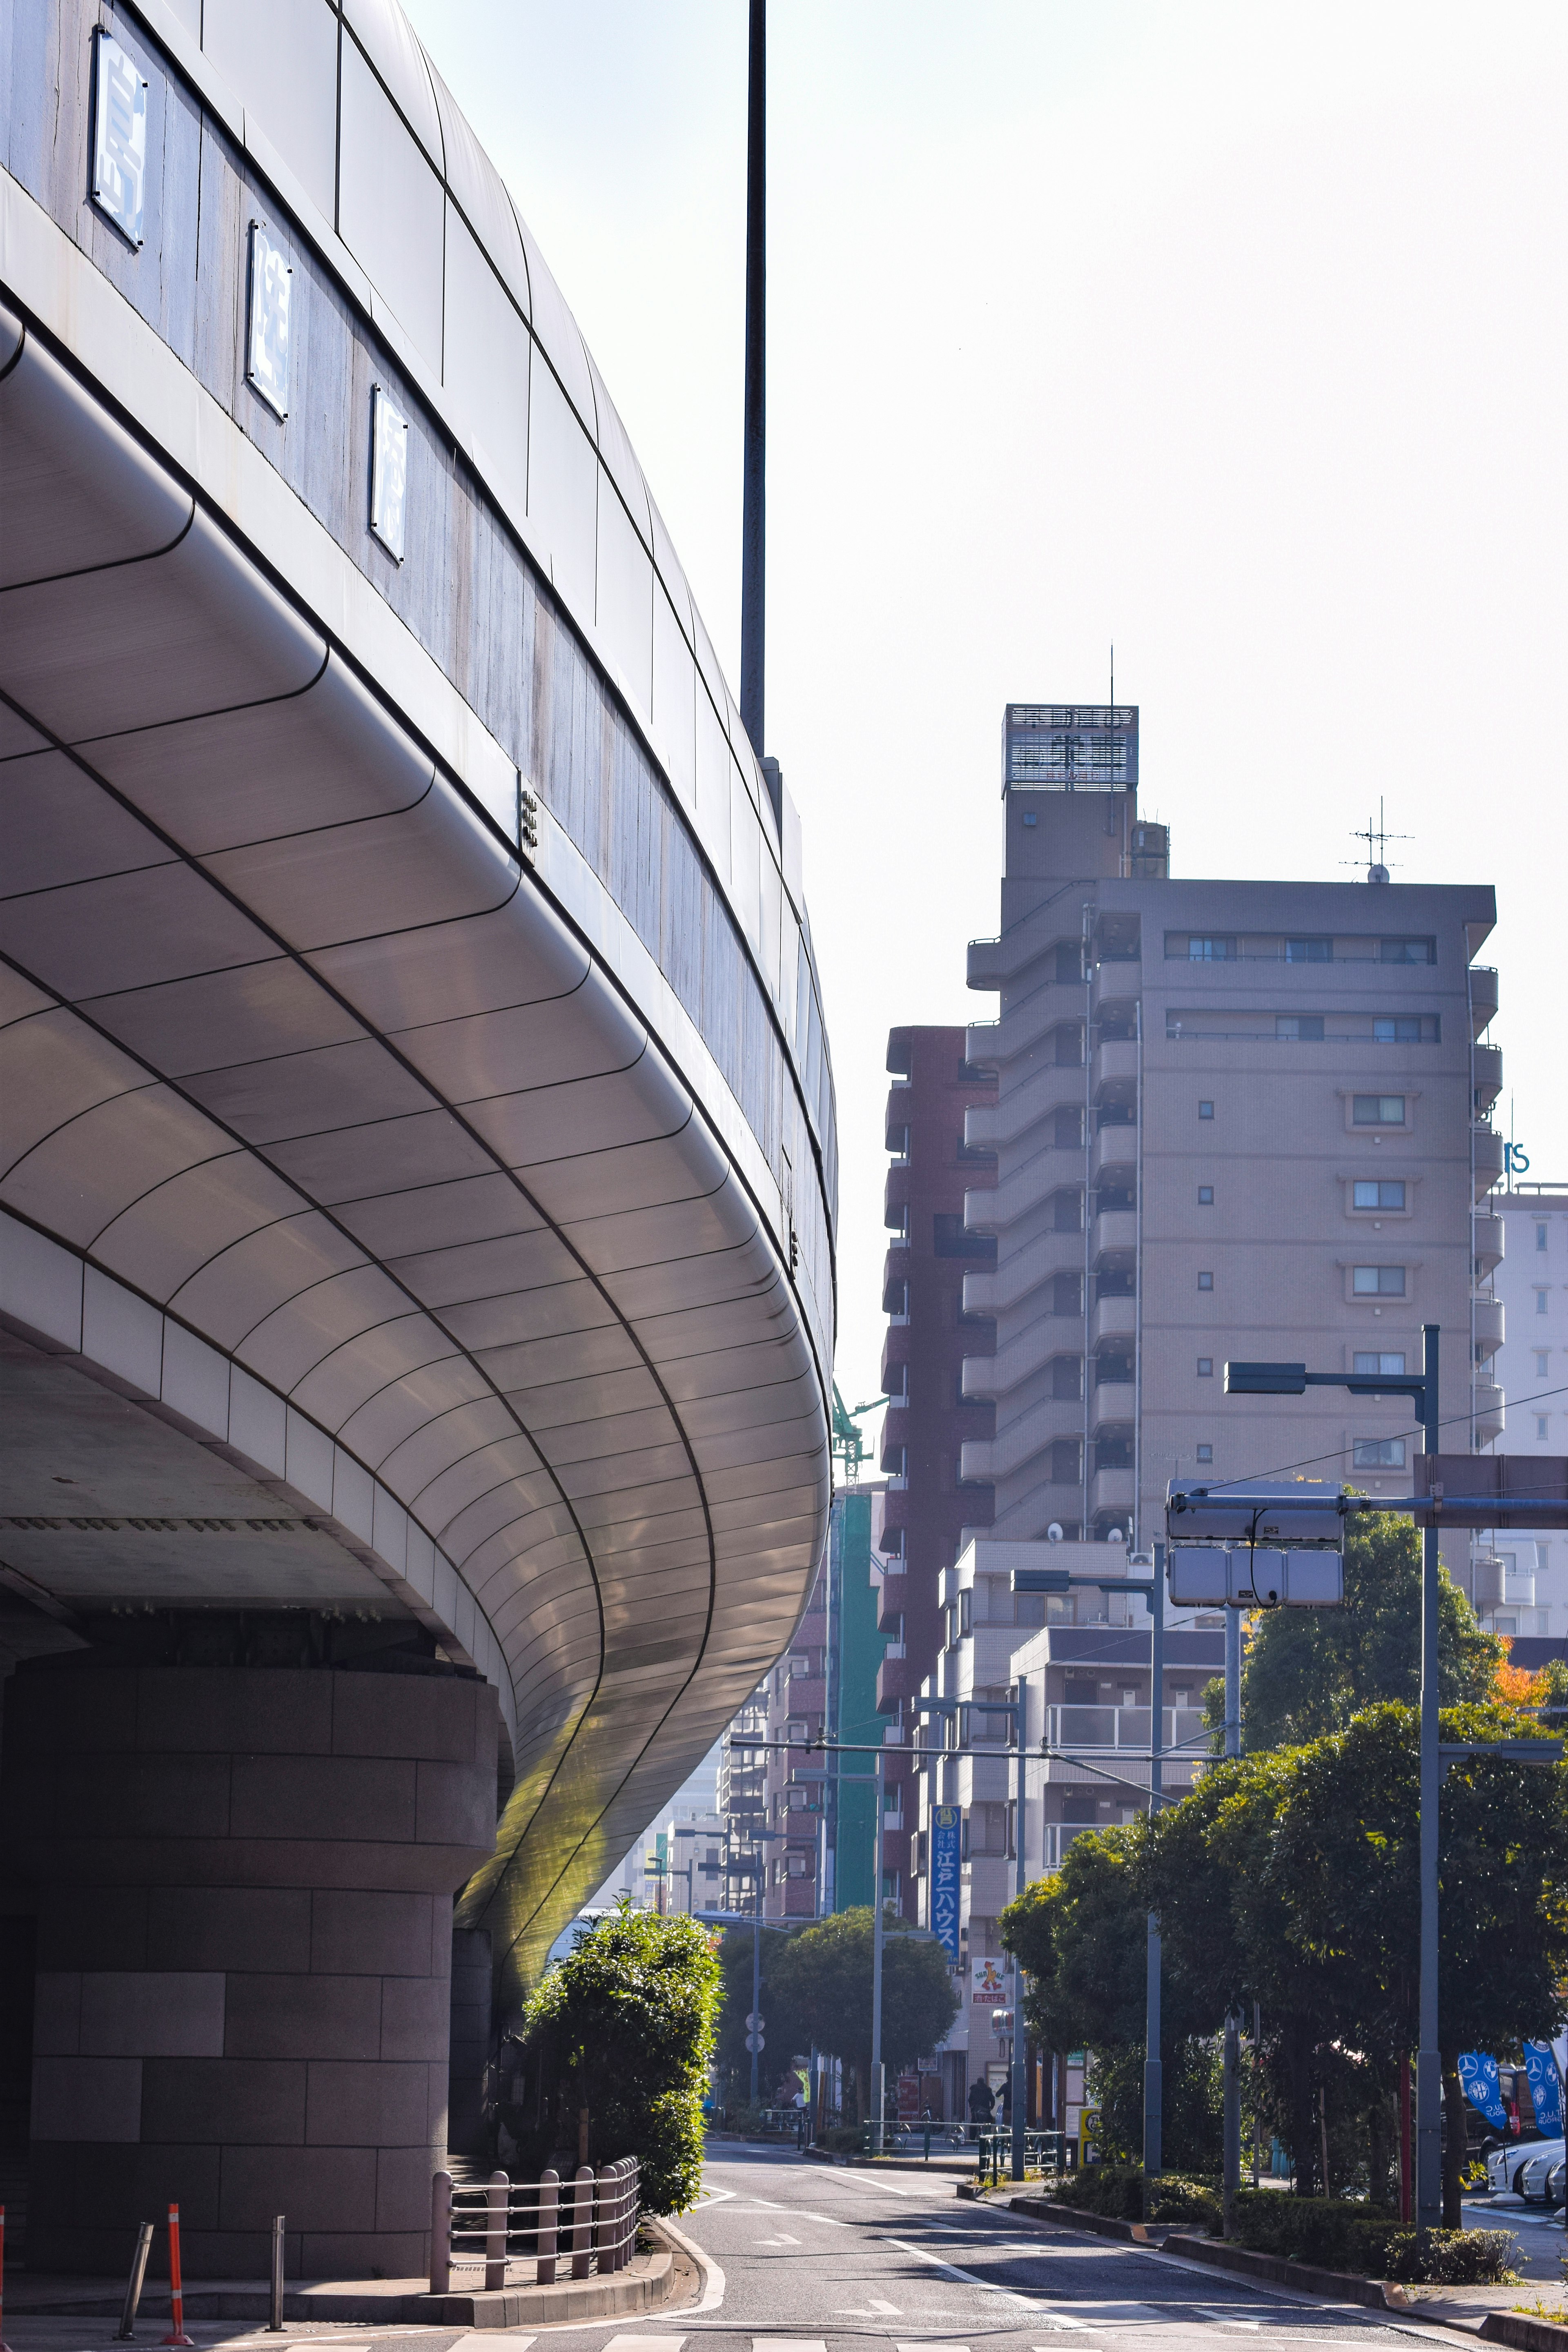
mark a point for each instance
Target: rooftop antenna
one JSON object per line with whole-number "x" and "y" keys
{"x": 1113, "y": 681}
{"x": 1376, "y": 838}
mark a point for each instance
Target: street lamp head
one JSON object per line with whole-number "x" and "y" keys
{"x": 1265, "y": 1380}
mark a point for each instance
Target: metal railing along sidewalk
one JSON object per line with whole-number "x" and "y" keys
{"x": 589, "y": 2221}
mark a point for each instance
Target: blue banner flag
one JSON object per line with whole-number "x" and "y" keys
{"x": 1546, "y": 2089}
{"x": 1478, "y": 2080}
{"x": 944, "y": 1868}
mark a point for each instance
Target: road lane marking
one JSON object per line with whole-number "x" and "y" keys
{"x": 781, "y": 2239}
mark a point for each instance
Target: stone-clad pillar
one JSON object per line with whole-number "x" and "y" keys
{"x": 243, "y": 1960}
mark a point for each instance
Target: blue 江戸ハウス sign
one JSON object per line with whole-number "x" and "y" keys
{"x": 1545, "y": 2088}
{"x": 944, "y": 1872}
{"x": 1478, "y": 2081}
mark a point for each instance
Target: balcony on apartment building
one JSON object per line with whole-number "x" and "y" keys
{"x": 1489, "y": 1237}
{"x": 1483, "y": 987}
{"x": 1487, "y": 1399}
{"x": 1053, "y": 1093}
{"x": 1113, "y": 1316}
{"x": 1114, "y": 1149}
{"x": 1489, "y": 1157}
{"x": 1486, "y": 1074}
{"x": 1099, "y": 1727}
{"x": 1487, "y": 1323}
{"x": 1115, "y": 1064}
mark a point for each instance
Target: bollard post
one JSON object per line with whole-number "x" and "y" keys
{"x": 176, "y": 2292}
{"x": 441, "y": 2233}
{"x": 604, "y": 2201}
{"x": 496, "y": 2192}
{"x": 548, "y": 2205}
{"x": 583, "y": 2220}
{"x": 618, "y": 2228}
{"x": 126, "y": 2329}
{"x": 275, "y": 2324}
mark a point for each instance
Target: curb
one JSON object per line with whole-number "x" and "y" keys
{"x": 1517, "y": 2328}
{"x": 519, "y": 2307}
{"x": 1097, "y": 2225}
{"x": 1331, "y": 2287}
{"x": 712, "y": 2277}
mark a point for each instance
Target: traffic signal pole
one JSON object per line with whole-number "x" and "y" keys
{"x": 1153, "y": 2094}
{"x": 1428, "y": 2064}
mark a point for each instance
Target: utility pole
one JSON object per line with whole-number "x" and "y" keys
{"x": 1428, "y": 2064}
{"x": 879, "y": 2076}
{"x": 753, "y": 521}
{"x": 1153, "y": 2082}
{"x": 1020, "y": 2142}
{"x": 1232, "y": 2176}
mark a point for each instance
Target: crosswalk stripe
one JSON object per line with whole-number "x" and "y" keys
{"x": 629, "y": 2343}
{"x": 792, "y": 2344}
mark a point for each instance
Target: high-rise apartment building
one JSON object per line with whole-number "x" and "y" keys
{"x": 926, "y": 1507}
{"x": 1233, "y": 1118}
{"x": 1521, "y": 1584}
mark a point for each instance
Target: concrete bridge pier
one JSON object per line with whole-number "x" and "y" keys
{"x": 244, "y": 1878}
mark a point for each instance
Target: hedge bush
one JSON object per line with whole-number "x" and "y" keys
{"x": 1336, "y": 2232}
{"x": 1117, "y": 2192}
{"x": 1452, "y": 2257}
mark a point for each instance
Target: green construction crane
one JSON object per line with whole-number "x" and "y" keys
{"x": 848, "y": 1446}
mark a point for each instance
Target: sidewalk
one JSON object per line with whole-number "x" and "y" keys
{"x": 652, "y": 2281}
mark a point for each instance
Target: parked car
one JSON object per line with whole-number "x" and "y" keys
{"x": 1530, "y": 2177}
{"x": 1557, "y": 2184}
{"x": 1507, "y": 2161}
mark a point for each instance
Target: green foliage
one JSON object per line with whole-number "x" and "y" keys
{"x": 622, "y": 2032}
{"x": 1192, "y": 2129}
{"x": 1452, "y": 2257}
{"x": 822, "y": 1978}
{"x": 1081, "y": 1937}
{"x": 1117, "y": 2192}
{"x": 783, "y": 2034}
{"x": 1307, "y": 1670}
{"x": 1337, "y": 2233}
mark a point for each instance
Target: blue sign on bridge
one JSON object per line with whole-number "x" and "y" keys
{"x": 944, "y": 1867}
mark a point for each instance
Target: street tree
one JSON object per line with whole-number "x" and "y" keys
{"x": 1307, "y": 1670}
{"x": 619, "y": 2037}
{"x": 783, "y": 2034}
{"x": 823, "y": 1976}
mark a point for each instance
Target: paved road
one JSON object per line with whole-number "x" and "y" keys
{"x": 829, "y": 2259}
{"x": 818, "y": 2258}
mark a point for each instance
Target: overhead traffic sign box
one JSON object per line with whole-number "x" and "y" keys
{"x": 1491, "y": 1490}
{"x": 1210, "y": 1576}
{"x": 1293, "y": 1511}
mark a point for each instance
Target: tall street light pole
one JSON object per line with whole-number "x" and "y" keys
{"x": 1294, "y": 1380}
{"x": 754, "y": 520}
{"x": 1154, "y": 2079}
{"x": 879, "y": 2075}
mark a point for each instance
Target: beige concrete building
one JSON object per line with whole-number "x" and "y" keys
{"x": 1234, "y": 1118}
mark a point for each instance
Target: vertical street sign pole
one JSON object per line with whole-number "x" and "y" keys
{"x": 1020, "y": 1881}
{"x": 1232, "y": 2176}
{"x": 879, "y": 2094}
{"x": 1428, "y": 2064}
{"x": 1151, "y": 2081}
{"x": 756, "y": 1963}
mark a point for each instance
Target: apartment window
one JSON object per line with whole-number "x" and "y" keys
{"x": 1377, "y": 1110}
{"x": 1542, "y": 1363}
{"x": 1541, "y": 1425}
{"x": 1205, "y": 1368}
{"x": 1306, "y": 1028}
{"x": 1210, "y": 950}
{"x": 1390, "y": 1362}
{"x": 1205, "y": 1110}
{"x": 1370, "y": 1192}
{"x": 1378, "y": 1281}
{"x": 1205, "y": 1454}
{"x": 949, "y": 1238}
{"x": 1408, "y": 951}
{"x": 1401, "y": 1030}
{"x": 1206, "y": 1281}
{"x": 1206, "y": 1196}
{"x": 1380, "y": 1454}
{"x": 1309, "y": 951}
{"x": 1540, "y": 1237}
{"x": 1541, "y": 1302}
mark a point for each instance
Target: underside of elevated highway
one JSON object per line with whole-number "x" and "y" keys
{"x": 416, "y": 1160}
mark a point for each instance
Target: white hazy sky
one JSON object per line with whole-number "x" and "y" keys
{"x": 1233, "y": 333}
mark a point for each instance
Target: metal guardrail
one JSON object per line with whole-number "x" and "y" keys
{"x": 1044, "y": 2151}
{"x": 589, "y": 2221}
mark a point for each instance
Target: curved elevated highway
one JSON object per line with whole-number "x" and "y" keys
{"x": 417, "y": 1128}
